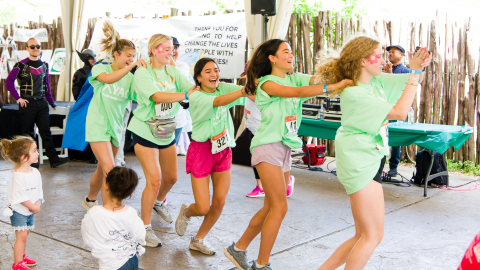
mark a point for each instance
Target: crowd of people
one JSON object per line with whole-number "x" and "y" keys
{"x": 272, "y": 96}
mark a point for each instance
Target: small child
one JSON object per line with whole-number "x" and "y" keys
{"x": 114, "y": 232}
{"x": 24, "y": 194}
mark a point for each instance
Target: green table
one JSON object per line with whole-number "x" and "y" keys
{"x": 436, "y": 138}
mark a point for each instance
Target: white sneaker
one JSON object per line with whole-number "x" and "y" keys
{"x": 182, "y": 221}
{"x": 87, "y": 205}
{"x": 151, "y": 240}
{"x": 201, "y": 245}
{"x": 162, "y": 213}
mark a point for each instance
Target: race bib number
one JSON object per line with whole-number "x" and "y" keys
{"x": 162, "y": 109}
{"x": 220, "y": 141}
{"x": 291, "y": 123}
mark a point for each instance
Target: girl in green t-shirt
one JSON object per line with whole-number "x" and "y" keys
{"x": 361, "y": 142}
{"x": 113, "y": 90}
{"x": 159, "y": 88}
{"x": 209, "y": 154}
{"x": 278, "y": 97}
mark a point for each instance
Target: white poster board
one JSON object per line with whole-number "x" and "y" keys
{"x": 221, "y": 37}
{"x": 58, "y": 61}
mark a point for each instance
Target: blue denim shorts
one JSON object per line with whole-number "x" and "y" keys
{"x": 21, "y": 222}
{"x": 131, "y": 264}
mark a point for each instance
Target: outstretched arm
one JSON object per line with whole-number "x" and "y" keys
{"x": 275, "y": 89}
{"x": 163, "y": 97}
{"x": 228, "y": 98}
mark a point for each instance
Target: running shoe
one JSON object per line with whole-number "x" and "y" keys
{"x": 254, "y": 266}
{"x": 291, "y": 183}
{"x": 162, "y": 213}
{"x": 256, "y": 192}
{"x": 28, "y": 261}
{"x": 20, "y": 266}
{"x": 151, "y": 240}
{"x": 238, "y": 258}
{"x": 87, "y": 205}
{"x": 201, "y": 245}
{"x": 182, "y": 221}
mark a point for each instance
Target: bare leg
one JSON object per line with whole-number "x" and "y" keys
{"x": 259, "y": 183}
{"x": 20, "y": 244}
{"x": 169, "y": 169}
{"x": 148, "y": 158}
{"x": 105, "y": 153}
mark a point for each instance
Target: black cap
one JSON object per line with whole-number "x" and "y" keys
{"x": 175, "y": 41}
{"x": 398, "y": 47}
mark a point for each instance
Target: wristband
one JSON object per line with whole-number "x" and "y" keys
{"x": 412, "y": 84}
{"x": 40, "y": 200}
{"x": 414, "y": 79}
{"x": 325, "y": 89}
{"x": 186, "y": 95}
{"x": 413, "y": 71}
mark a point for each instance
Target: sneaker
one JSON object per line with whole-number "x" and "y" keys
{"x": 165, "y": 201}
{"x": 20, "y": 266}
{"x": 392, "y": 173}
{"x": 162, "y": 213}
{"x": 87, "y": 205}
{"x": 291, "y": 183}
{"x": 238, "y": 258}
{"x": 182, "y": 221}
{"x": 256, "y": 192}
{"x": 58, "y": 161}
{"x": 254, "y": 266}
{"x": 151, "y": 240}
{"x": 28, "y": 261}
{"x": 201, "y": 245}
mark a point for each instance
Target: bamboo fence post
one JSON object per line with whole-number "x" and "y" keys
{"x": 293, "y": 35}
{"x": 315, "y": 21}
{"x": 461, "y": 86}
{"x": 411, "y": 30}
{"x": 421, "y": 113}
{"x": 344, "y": 31}
{"x": 330, "y": 30}
{"x": 470, "y": 105}
{"x": 322, "y": 29}
{"x": 452, "y": 105}
{"x": 446, "y": 73}
{"x": 338, "y": 21}
{"x": 360, "y": 26}
{"x": 430, "y": 77}
{"x": 299, "y": 44}
{"x": 438, "y": 63}
{"x": 477, "y": 80}
{"x": 307, "y": 25}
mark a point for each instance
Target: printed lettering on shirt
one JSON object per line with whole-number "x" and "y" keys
{"x": 220, "y": 116}
{"x": 123, "y": 242}
{"x": 113, "y": 91}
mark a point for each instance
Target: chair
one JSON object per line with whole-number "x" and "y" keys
{"x": 55, "y": 131}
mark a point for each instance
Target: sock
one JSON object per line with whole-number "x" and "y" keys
{"x": 148, "y": 226}
{"x": 196, "y": 239}
{"x": 258, "y": 265}
{"x": 90, "y": 200}
{"x": 237, "y": 249}
{"x": 159, "y": 203}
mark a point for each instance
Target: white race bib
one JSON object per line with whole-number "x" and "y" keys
{"x": 220, "y": 141}
{"x": 162, "y": 109}
{"x": 291, "y": 123}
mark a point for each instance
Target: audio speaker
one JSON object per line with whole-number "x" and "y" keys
{"x": 264, "y": 7}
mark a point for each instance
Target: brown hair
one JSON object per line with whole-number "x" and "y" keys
{"x": 112, "y": 41}
{"x": 13, "y": 150}
{"x": 260, "y": 65}
{"x": 121, "y": 182}
{"x": 334, "y": 68}
{"x": 197, "y": 70}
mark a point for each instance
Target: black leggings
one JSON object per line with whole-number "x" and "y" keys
{"x": 250, "y": 136}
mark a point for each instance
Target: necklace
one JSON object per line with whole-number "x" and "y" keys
{"x": 163, "y": 85}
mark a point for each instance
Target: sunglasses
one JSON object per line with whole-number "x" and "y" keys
{"x": 35, "y": 46}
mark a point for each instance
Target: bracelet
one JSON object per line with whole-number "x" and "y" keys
{"x": 415, "y": 79}
{"x": 413, "y": 71}
{"x": 186, "y": 97}
{"x": 325, "y": 88}
{"x": 412, "y": 84}
{"x": 41, "y": 200}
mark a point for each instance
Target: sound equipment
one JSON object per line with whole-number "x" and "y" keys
{"x": 330, "y": 110}
{"x": 312, "y": 111}
{"x": 264, "y": 7}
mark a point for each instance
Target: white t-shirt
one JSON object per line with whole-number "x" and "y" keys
{"x": 252, "y": 116}
{"x": 24, "y": 187}
{"x": 181, "y": 116}
{"x": 113, "y": 237}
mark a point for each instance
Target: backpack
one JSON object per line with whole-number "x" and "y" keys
{"x": 421, "y": 168}
{"x": 317, "y": 154}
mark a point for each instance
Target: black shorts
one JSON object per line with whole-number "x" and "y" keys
{"x": 378, "y": 177}
{"x": 149, "y": 144}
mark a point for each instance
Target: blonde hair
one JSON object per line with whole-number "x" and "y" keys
{"x": 112, "y": 41}
{"x": 334, "y": 67}
{"x": 154, "y": 42}
{"x": 13, "y": 150}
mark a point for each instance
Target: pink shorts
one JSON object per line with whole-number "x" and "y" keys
{"x": 201, "y": 162}
{"x": 276, "y": 154}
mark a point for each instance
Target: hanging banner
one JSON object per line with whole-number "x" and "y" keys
{"x": 23, "y": 35}
{"x": 221, "y": 37}
{"x": 58, "y": 61}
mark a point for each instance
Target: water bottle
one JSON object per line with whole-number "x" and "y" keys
{"x": 410, "y": 116}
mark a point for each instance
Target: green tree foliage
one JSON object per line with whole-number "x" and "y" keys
{"x": 7, "y": 12}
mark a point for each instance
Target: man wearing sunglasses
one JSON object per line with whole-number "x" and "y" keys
{"x": 32, "y": 75}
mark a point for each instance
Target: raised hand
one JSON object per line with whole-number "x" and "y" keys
{"x": 419, "y": 59}
{"x": 388, "y": 67}
{"x": 139, "y": 63}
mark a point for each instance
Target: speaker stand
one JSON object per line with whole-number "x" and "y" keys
{"x": 265, "y": 27}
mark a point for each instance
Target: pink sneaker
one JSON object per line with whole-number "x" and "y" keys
{"x": 28, "y": 261}
{"x": 256, "y": 192}
{"x": 165, "y": 201}
{"x": 291, "y": 182}
{"x": 20, "y": 266}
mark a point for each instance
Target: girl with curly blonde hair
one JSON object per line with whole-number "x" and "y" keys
{"x": 361, "y": 143}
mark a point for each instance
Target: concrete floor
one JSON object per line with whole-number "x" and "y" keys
{"x": 420, "y": 233}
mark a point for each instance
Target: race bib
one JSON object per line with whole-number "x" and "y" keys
{"x": 291, "y": 123}
{"x": 220, "y": 141}
{"x": 162, "y": 109}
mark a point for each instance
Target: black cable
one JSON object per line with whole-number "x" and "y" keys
{"x": 388, "y": 179}
{"x": 462, "y": 184}
{"x": 304, "y": 167}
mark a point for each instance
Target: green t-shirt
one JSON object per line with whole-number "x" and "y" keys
{"x": 359, "y": 148}
{"x": 274, "y": 110}
{"x": 105, "y": 112}
{"x": 208, "y": 121}
{"x": 148, "y": 82}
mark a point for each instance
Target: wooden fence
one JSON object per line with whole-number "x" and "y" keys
{"x": 444, "y": 97}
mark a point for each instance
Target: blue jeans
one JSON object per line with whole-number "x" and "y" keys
{"x": 395, "y": 154}
{"x": 178, "y": 131}
{"x": 131, "y": 264}
{"x": 21, "y": 222}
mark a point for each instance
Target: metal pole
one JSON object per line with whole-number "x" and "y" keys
{"x": 265, "y": 30}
